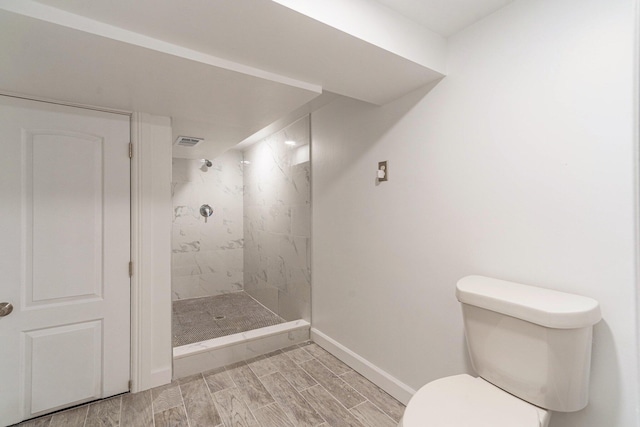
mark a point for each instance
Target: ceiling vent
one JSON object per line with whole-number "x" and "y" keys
{"x": 188, "y": 141}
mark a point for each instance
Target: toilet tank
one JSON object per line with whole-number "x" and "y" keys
{"x": 532, "y": 342}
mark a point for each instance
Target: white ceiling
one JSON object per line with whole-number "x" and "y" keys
{"x": 265, "y": 35}
{"x": 445, "y": 17}
{"x": 222, "y": 69}
{"x": 45, "y": 60}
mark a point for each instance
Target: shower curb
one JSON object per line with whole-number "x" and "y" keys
{"x": 202, "y": 356}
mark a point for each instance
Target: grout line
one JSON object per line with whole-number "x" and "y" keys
{"x": 86, "y": 415}
{"x": 301, "y": 347}
{"x": 228, "y": 371}
{"x": 266, "y": 404}
{"x": 338, "y": 377}
{"x": 153, "y": 415}
{"x": 245, "y": 402}
{"x": 328, "y": 369}
{"x": 301, "y": 395}
{"x": 254, "y": 372}
{"x": 225, "y": 389}
{"x": 349, "y": 409}
{"x": 120, "y": 412}
{"x": 186, "y": 414}
{"x": 251, "y": 412}
{"x": 267, "y": 308}
{"x": 213, "y": 400}
{"x": 309, "y": 403}
{"x": 295, "y": 391}
{"x": 382, "y": 410}
{"x": 369, "y": 400}
{"x": 377, "y": 407}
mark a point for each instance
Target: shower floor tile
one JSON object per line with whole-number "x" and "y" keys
{"x": 201, "y": 319}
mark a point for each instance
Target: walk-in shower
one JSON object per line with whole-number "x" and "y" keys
{"x": 241, "y": 274}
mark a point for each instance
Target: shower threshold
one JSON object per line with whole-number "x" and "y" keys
{"x": 211, "y": 332}
{"x": 203, "y": 356}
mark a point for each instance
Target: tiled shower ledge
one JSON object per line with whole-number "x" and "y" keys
{"x": 214, "y": 353}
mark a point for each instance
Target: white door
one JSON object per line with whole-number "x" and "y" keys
{"x": 64, "y": 255}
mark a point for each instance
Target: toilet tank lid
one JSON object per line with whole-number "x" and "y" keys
{"x": 545, "y": 307}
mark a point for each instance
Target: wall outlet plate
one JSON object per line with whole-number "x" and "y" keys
{"x": 383, "y": 171}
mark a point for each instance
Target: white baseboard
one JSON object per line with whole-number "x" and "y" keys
{"x": 379, "y": 377}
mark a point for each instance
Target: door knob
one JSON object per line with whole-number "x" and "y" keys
{"x": 5, "y": 309}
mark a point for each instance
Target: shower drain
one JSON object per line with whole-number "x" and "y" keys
{"x": 219, "y": 317}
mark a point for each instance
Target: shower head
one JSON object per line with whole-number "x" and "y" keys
{"x": 207, "y": 163}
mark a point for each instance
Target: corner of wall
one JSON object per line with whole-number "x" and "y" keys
{"x": 636, "y": 166}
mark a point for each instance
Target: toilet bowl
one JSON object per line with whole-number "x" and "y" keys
{"x": 531, "y": 348}
{"x": 466, "y": 401}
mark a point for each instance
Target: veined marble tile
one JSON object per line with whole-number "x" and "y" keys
{"x": 186, "y": 170}
{"x": 185, "y": 215}
{"x": 266, "y": 294}
{"x": 181, "y": 286}
{"x": 184, "y": 193}
{"x": 185, "y": 239}
{"x": 302, "y": 183}
{"x": 295, "y": 303}
{"x": 297, "y": 188}
{"x": 301, "y": 220}
{"x": 193, "y": 270}
{"x": 211, "y": 261}
{"x": 186, "y": 287}
{"x": 207, "y": 256}
{"x": 233, "y": 258}
{"x": 258, "y": 236}
{"x": 185, "y": 259}
{"x": 277, "y": 221}
{"x": 221, "y": 236}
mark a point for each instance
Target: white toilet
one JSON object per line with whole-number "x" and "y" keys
{"x": 531, "y": 348}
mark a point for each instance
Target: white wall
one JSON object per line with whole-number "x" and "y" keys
{"x": 518, "y": 165}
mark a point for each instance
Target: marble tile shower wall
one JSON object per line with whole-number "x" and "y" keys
{"x": 207, "y": 258}
{"x": 277, "y": 222}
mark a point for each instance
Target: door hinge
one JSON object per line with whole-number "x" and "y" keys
{"x": 130, "y": 268}
{"x": 131, "y": 150}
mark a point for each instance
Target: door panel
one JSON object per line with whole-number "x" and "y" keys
{"x": 65, "y": 365}
{"x": 63, "y": 176}
{"x": 64, "y": 254}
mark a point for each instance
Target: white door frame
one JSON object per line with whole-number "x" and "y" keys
{"x": 151, "y": 351}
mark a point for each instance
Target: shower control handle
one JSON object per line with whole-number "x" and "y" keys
{"x": 5, "y": 309}
{"x": 206, "y": 211}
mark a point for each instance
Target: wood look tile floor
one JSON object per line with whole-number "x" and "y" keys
{"x": 302, "y": 385}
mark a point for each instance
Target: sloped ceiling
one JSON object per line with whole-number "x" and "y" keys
{"x": 222, "y": 69}
{"x": 266, "y": 35}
